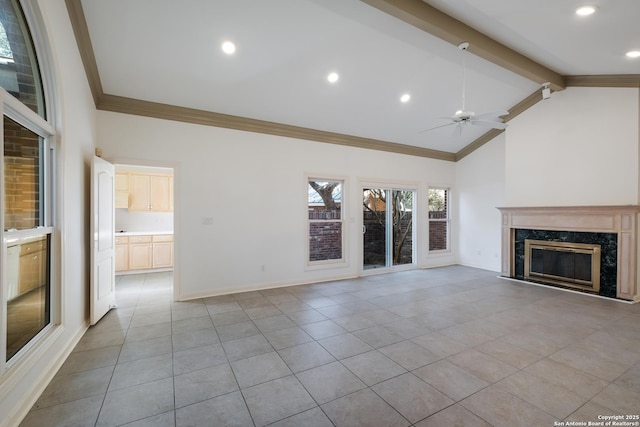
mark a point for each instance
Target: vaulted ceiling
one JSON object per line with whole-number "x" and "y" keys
{"x": 163, "y": 58}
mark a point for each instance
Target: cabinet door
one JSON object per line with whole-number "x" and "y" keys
{"x": 139, "y": 191}
{"x": 163, "y": 254}
{"x": 122, "y": 181}
{"x": 122, "y": 257}
{"x": 140, "y": 256}
{"x": 122, "y": 190}
{"x": 31, "y": 271}
{"x": 160, "y": 193}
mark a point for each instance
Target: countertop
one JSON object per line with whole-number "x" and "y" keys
{"x": 143, "y": 233}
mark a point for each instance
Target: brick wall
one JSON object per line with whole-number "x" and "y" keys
{"x": 325, "y": 240}
{"x": 437, "y": 235}
{"x": 374, "y": 240}
{"x": 21, "y": 176}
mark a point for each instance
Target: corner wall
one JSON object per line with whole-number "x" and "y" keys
{"x": 578, "y": 148}
{"x": 481, "y": 188}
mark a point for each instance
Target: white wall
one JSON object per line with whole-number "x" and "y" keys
{"x": 480, "y": 190}
{"x": 578, "y": 148}
{"x": 253, "y": 188}
{"x": 153, "y": 222}
{"x": 77, "y": 133}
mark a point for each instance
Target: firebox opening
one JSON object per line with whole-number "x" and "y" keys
{"x": 575, "y": 265}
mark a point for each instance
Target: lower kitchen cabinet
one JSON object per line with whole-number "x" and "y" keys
{"x": 145, "y": 252}
{"x": 33, "y": 265}
{"x": 162, "y": 251}
{"x": 140, "y": 252}
{"x": 122, "y": 253}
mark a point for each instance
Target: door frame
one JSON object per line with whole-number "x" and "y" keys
{"x": 389, "y": 185}
{"x": 127, "y": 161}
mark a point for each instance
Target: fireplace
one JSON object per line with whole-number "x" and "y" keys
{"x": 575, "y": 265}
{"x": 614, "y": 228}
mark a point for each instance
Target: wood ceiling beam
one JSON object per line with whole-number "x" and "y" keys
{"x": 433, "y": 21}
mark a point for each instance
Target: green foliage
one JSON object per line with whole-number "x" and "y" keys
{"x": 437, "y": 199}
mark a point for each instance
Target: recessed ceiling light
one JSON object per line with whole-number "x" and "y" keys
{"x": 333, "y": 77}
{"x": 585, "y": 10}
{"x": 405, "y": 98}
{"x": 633, "y": 54}
{"x": 229, "y": 47}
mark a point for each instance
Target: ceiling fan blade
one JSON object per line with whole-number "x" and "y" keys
{"x": 437, "y": 127}
{"x": 489, "y": 123}
{"x": 498, "y": 113}
{"x": 457, "y": 132}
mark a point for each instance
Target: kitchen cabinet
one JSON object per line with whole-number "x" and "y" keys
{"x": 150, "y": 192}
{"x": 122, "y": 190}
{"x": 140, "y": 252}
{"x": 143, "y": 252}
{"x": 122, "y": 253}
{"x": 163, "y": 251}
{"x": 33, "y": 265}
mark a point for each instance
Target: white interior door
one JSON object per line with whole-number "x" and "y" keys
{"x": 102, "y": 229}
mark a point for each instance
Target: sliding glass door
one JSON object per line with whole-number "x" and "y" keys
{"x": 387, "y": 216}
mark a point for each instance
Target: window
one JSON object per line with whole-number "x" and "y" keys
{"x": 438, "y": 219}
{"x": 26, "y": 200}
{"x": 19, "y": 71}
{"x": 326, "y": 225}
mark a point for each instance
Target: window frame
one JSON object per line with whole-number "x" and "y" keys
{"x": 15, "y": 110}
{"x": 446, "y": 220}
{"x": 330, "y": 263}
{"x": 45, "y": 127}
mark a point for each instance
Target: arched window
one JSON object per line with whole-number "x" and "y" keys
{"x": 28, "y": 141}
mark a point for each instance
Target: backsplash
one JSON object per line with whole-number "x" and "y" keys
{"x": 143, "y": 221}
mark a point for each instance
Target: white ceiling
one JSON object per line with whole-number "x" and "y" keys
{"x": 169, "y": 52}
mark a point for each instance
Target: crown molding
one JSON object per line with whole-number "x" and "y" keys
{"x": 414, "y": 12}
{"x": 608, "y": 80}
{"x": 139, "y": 107}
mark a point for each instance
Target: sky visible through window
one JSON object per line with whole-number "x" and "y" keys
{"x": 5, "y": 48}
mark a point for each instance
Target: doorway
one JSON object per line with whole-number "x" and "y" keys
{"x": 387, "y": 227}
{"x": 144, "y": 223}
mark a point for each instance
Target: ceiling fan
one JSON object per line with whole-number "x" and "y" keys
{"x": 462, "y": 117}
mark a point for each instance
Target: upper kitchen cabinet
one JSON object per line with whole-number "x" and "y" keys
{"x": 122, "y": 190}
{"x": 150, "y": 192}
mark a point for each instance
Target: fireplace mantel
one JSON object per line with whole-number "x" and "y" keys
{"x": 622, "y": 220}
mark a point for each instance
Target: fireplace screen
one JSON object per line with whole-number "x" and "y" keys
{"x": 575, "y": 265}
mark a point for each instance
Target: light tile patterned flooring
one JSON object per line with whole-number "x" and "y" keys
{"x": 452, "y": 346}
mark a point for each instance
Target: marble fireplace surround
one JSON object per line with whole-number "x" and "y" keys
{"x": 621, "y": 220}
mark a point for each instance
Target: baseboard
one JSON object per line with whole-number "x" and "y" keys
{"x": 259, "y": 287}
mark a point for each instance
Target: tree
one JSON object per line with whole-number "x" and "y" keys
{"x": 325, "y": 191}
{"x": 401, "y": 204}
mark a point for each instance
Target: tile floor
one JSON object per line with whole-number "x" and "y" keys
{"x": 451, "y": 346}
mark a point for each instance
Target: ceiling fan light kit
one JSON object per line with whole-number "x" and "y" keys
{"x": 462, "y": 117}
